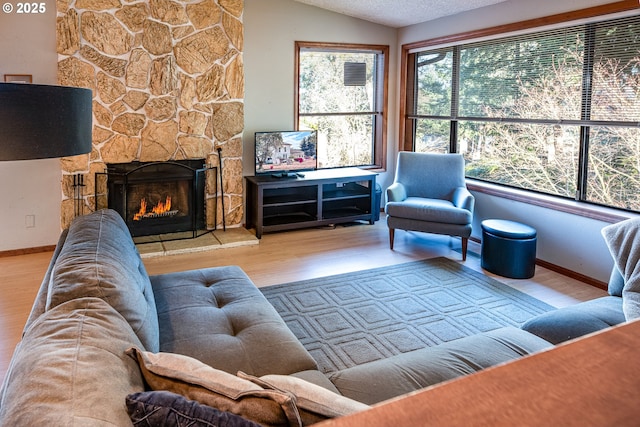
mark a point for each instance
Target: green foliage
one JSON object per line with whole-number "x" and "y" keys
{"x": 341, "y": 114}
{"x": 521, "y": 102}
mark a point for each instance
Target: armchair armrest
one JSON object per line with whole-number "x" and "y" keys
{"x": 396, "y": 192}
{"x": 462, "y": 198}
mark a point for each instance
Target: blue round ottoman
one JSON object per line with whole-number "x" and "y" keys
{"x": 508, "y": 248}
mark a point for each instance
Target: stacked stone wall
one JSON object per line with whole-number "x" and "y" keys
{"x": 168, "y": 84}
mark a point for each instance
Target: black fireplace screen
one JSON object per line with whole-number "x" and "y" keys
{"x": 158, "y": 197}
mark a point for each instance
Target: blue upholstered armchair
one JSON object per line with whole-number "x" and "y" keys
{"x": 429, "y": 194}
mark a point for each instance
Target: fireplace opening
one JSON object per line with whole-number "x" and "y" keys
{"x": 158, "y": 197}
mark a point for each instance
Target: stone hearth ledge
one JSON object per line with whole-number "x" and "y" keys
{"x": 166, "y": 244}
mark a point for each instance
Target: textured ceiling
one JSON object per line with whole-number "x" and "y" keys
{"x": 399, "y": 13}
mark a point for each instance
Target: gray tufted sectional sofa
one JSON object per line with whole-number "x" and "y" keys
{"x": 101, "y": 330}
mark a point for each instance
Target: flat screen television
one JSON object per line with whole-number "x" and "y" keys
{"x": 285, "y": 153}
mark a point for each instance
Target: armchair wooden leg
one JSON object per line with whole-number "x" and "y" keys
{"x": 465, "y": 242}
{"x": 391, "y": 233}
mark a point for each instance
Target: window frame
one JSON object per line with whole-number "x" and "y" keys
{"x": 407, "y": 95}
{"x": 382, "y": 91}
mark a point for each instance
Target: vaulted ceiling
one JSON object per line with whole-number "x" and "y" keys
{"x": 399, "y": 13}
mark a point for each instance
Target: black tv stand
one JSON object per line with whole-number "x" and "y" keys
{"x": 316, "y": 198}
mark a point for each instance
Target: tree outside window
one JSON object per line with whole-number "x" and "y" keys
{"x": 341, "y": 93}
{"x": 554, "y": 111}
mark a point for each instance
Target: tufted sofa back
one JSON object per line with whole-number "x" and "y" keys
{"x": 219, "y": 317}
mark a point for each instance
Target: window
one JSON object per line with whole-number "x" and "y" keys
{"x": 342, "y": 93}
{"x": 555, "y": 111}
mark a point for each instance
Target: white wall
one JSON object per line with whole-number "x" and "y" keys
{"x": 271, "y": 29}
{"x": 570, "y": 241}
{"x": 28, "y": 46}
{"x": 506, "y": 12}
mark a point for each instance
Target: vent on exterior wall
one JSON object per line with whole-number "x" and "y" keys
{"x": 355, "y": 73}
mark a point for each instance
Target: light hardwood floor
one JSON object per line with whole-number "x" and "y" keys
{"x": 285, "y": 257}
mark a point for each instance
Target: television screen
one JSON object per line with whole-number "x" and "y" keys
{"x": 285, "y": 152}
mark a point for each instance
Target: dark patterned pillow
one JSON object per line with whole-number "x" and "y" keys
{"x": 163, "y": 408}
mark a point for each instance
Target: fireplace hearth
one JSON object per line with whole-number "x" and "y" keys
{"x": 158, "y": 197}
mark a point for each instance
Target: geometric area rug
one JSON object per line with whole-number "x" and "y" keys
{"x": 354, "y": 318}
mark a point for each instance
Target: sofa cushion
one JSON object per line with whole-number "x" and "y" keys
{"x": 433, "y": 210}
{"x": 316, "y": 377}
{"x": 218, "y": 316}
{"x": 163, "y": 408}
{"x": 194, "y": 380}
{"x": 576, "y": 320}
{"x": 71, "y": 369}
{"x": 384, "y": 379}
{"x": 99, "y": 259}
{"x": 314, "y": 403}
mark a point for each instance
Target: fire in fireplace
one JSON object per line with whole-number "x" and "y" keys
{"x": 158, "y": 197}
{"x": 161, "y": 209}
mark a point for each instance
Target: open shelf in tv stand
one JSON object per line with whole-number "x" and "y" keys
{"x": 321, "y": 197}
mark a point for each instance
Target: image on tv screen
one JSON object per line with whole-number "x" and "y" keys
{"x": 285, "y": 151}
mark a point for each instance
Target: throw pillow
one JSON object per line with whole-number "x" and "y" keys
{"x": 623, "y": 240}
{"x": 200, "y": 382}
{"x": 163, "y": 408}
{"x": 315, "y": 403}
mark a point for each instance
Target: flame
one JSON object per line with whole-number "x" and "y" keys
{"x": 159, "y": 208}
{"x": 162, "y": 207}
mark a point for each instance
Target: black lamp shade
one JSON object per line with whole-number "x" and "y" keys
{"x": 39, "y": 121}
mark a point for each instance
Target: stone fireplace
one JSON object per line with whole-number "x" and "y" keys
{"x": 168, "y": 85}
{"x": 158, "y": 197}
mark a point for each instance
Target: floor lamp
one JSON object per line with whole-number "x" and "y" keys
{"x": 40, "y": 121}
